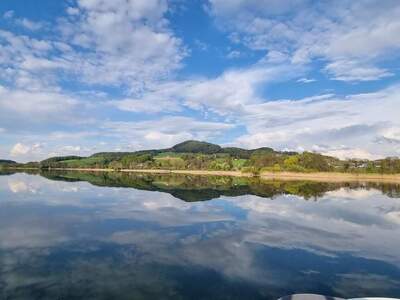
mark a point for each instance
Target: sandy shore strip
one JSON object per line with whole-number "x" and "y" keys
{"x": 332, "y": 177}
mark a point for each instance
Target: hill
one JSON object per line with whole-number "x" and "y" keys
{"x": 7, "y": 162}
{"x": 198, "y": 155}
{"x": 196, "y": 147}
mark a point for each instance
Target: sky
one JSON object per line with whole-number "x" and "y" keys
{"x": 84, "y": 76}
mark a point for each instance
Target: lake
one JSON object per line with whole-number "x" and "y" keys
{"x": 70, "y": 235}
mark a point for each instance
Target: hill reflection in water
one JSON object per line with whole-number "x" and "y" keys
{"x": 192, "y": 188}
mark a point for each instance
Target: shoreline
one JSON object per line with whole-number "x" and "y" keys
{"x": 288, "y": 176}
{"x": 333, "y": 177}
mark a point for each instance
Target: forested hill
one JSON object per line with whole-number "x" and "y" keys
{"x": 196, "y": 155}
{"x": 7, "y": 162}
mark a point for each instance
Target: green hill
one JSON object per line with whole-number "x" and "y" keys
{"x": 198, "y": 155}
{"x": 7, "y": 162}
{"x": 196, "y": 147}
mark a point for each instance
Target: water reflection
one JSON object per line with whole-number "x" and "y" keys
{"x": 82, "y": 236}
{"x": 191, "y": 188}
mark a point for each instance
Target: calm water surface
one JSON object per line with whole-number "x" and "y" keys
{"x": 121, "y": 236}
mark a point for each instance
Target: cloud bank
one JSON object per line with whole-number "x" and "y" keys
{"x": 127, "y": 75}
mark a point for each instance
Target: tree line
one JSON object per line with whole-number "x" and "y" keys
{"x": 193, "y": 155}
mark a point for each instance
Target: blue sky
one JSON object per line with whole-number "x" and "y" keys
{"x": 83, "y": 76}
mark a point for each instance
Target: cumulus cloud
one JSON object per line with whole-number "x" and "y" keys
{"x": 24, "y": 60}
{"x": 119, "y": 43}
{"x": 35, "y": 112}
{"x": 28, "y": 24}
{"x": 226, "y": 94}
{"x": 8, "y": 14}
{"x": 23, "y": 22}
{"x": 164, "y": 132}
{"x": 150, "y": 101}
{"x": 266, "y": 7}
{"x": 342, "y": 123}
{"x": 306, "y": 80}
{"x": 355, "y": 71}
{"x": 234, "y": 54}
{"x": 20, "y": 149}
{"x": 110, "y": 70}
{"x": 40, "y": 104}
{"x": 392, "y": 134}
{"x": 337, "y": 33}
{"x": 126, "y": 42}
{"x": 349, "y": 153}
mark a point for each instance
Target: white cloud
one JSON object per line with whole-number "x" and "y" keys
{"x": 338, "y": 125}
{"x": 28, "y": 24}
{"x": 234, "y": 54}
{"x": 164, "y": 132}
{"x": 128, "y": 42}
{"x": 351, "y": 153}
{"x": 24, "y": 22}
{"x": 392, "y": 134}
{"x": 27, "y": 111}
{"x": 355, "y": 71}
{"x": 306, "y": 80}
{"x": 365, "y": 32}
{"x": 25, "y": 151}
{"x": 274, "y": 56}
{"x": 131, "y": 45}
{"x": 227, "y": 94}
{"x": 71, "y": 149}
{"x": 73, "y": 11}
{"x": 20, "y": 149}
{"x": 201, "y": 45}
{"x": 265, "y": 7}
{"x": 157, "y": 102}
{"x": 122, "y": 43}
{"x": 34, "y": 103}
{"x": 8, "y": 14}
{"x": 27, "y": 62}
